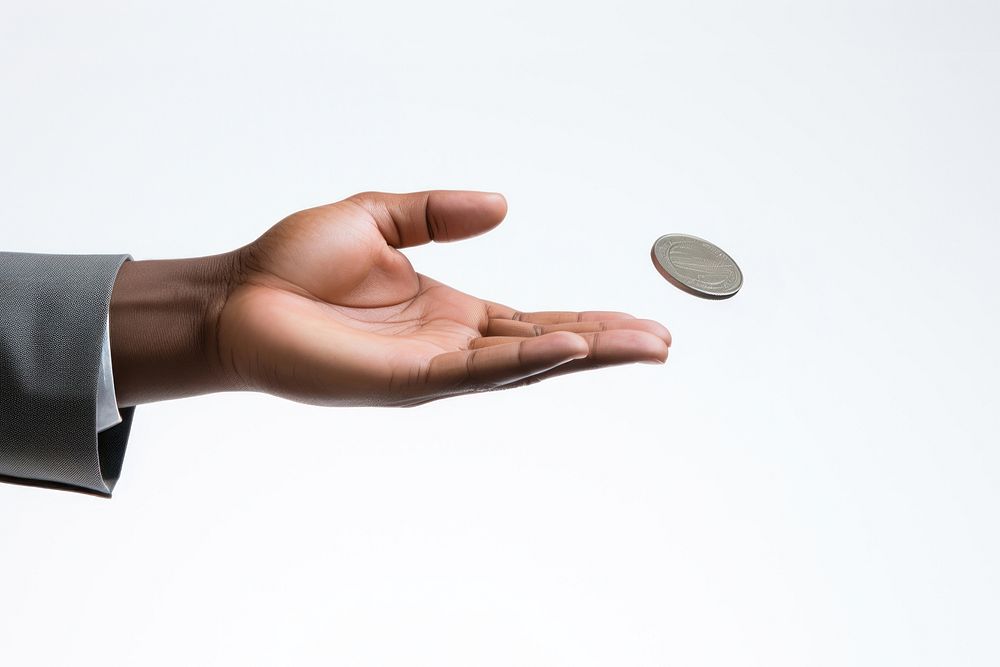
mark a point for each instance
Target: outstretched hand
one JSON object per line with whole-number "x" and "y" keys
{"x": 325, "y": 309}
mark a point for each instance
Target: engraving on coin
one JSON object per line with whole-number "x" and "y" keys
{"x": 697, "y": 266}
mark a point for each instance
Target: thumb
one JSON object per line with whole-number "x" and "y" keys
{"x": 416, "y": 218}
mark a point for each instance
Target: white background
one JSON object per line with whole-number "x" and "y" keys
{"x": 812, "y": 479}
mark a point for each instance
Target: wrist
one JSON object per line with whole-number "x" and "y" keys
{"x": 164, "y": 320}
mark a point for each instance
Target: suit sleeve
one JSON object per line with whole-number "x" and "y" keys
{"x": 53, "y": 318}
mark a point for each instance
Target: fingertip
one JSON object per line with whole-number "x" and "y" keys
{"x": 566, "y": 344}
{"x": 494, "y": 208}
{"x": 578, "y": 344}
{"x": 653, "y": 327}
{"x": 664, "y": 334}
{"x": 460, "y": 214}
{"x": 628, "y": 345}
{"x": 659, "y": 356}
{"x": 498, "y": 203}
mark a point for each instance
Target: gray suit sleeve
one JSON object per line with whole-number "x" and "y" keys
{"x": 53, "y": 311}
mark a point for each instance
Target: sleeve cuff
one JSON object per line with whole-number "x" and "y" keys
{"x": 53, "y": 330}
{"x": 107, "y": 401}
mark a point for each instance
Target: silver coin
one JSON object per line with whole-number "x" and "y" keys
{"x": 697, "y": 266}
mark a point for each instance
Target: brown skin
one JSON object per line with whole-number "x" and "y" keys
{"x": 325, "y": 309}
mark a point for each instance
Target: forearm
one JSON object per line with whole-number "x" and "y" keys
{"x": 164, "y": 318}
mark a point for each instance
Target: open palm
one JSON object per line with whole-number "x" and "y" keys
{"x": 325, "y": 309}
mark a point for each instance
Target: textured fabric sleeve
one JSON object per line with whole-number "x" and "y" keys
{"x": 53, "y": 314}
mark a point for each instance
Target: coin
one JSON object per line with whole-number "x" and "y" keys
{"x": 697, "y": 266}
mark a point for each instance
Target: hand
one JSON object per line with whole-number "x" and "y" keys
{"x": 327, "y": 310}
{"x": 323, "y": 308}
